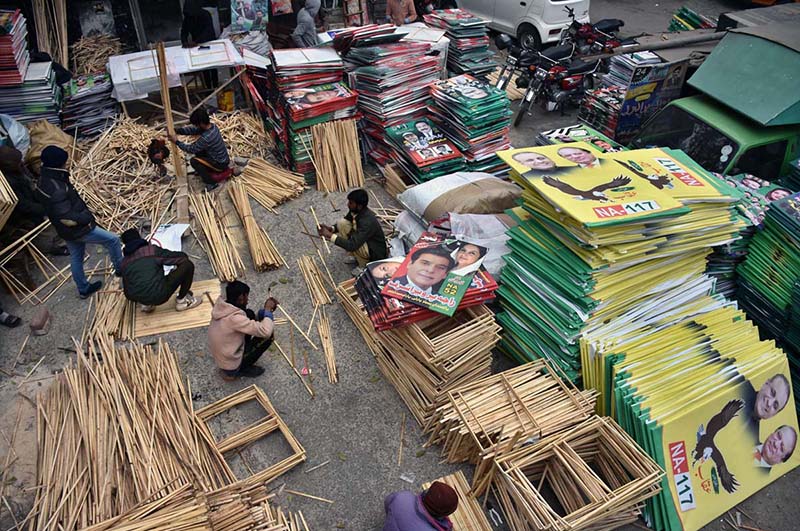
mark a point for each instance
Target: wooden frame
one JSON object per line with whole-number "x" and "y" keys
{"x": 252, "y": 433}
{"x": 8, "y": 200}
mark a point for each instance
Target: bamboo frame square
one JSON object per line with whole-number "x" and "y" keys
{"x": 270, "y": 423}
{"x": 8, "y": 200}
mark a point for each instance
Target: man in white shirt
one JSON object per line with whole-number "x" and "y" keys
{"x": 428, "y": 268}
{"x": 582, "y": 157}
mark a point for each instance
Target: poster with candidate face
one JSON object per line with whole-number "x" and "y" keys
{"x": 422, "y": 142}
{"x": 435, "y": 273}
{"x": 249, "y": 15}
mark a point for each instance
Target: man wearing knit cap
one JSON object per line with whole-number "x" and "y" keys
{"x": 72, "y": 220}
{"x": 428, "y": 511}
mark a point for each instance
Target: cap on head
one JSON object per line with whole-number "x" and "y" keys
{"x": 54, "y": 157}
{"x": 235, "y": 289}
{"x": 359, "y": 197}
{"x": 440, "y": 499}
{"x": 129, "y": 236}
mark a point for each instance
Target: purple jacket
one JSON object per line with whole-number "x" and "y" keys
{"x": 405, "y": 512}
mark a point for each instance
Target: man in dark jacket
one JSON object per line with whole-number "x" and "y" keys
{"x": 72, "y": 220}
{"x": 359, "y": 232}
{"x": 305, "y": 32}
{"x": 428, "y": 511}
{"x": 143, "y": 278}
{"x": 197, "y": 26}
{"x": 211, "y": 160}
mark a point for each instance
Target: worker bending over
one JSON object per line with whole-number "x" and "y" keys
{"x": 143, "y": 278}
{"x": 359, "y": 232}
{"x": 211, "y": 159}
{"x": 237, "y": 337}
{"x": 428, "y": 511}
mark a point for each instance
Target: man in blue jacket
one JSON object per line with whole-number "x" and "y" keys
{"x": 428, "y": 511}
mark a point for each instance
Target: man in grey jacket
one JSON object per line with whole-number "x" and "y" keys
{"x": 305, "y": 33}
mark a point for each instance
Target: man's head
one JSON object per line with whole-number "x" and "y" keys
{"x": 777, "y": 193}
{"x": 581, "y": 156}
{"x": 779, "y": 445}
{"x": 322, "y": 95}
{"x": 410, "y": 138}
{"x": 129, "y": 236}
{"x": 473, "y": 93}
{"x": 199, "y": 118}
{"x": 54, "y": 157}
{"x": 423, "y": 128}
{"x": 534, "y": 161}
{"x": 429, "y": 266}
{"x": 772, "y": 397}
{"x": 237, "y": 293}
{"x": 357, "y": 200}
{"x": 440, "y": 500}
{"x": 10, "y": 159}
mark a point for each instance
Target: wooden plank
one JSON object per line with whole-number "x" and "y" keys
{"x": 165, "y": 319}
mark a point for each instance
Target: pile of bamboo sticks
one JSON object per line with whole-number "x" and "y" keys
{"x": 262, "y": 250}
{"x": 598, "y": 475}
{"x": 314, "y": 281}
{"x": 426, "y": 360}
{"x": 8, "y": 200}
{"x": 271, "y": 185}
{"x": 469, "y": 514}
{"x": 219, "y": 245}
{"x": 243, "y": 134}
{"x": 337, "y": 156}
{"x": 118, "y": 182}
{"x": 114, "y": 314}
{"x": 324, "y": 329}
{"x": 50, "y": 17}
{"x": 91, "y": 52}
{"x": 394, "y": 182}
{"x": 510, "y": 408}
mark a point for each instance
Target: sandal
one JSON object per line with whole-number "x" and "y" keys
{"x": 11, "y": 321}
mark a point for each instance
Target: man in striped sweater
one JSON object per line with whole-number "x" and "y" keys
{"x": 211, "y": 158}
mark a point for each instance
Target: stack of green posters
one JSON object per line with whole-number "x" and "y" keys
{"x": 469, "y": 51}
{"x": 475, "y": 116}
{"x": 792, "y": 179}
{"x": 600, "y": 234}
{"x": 422, "y": 151}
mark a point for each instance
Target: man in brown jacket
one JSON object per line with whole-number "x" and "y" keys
{"x": 237, "y": 337}
{"x": 400, "y": 12}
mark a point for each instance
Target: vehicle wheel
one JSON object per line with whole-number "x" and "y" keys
{"x": 529, "y": 37}
{"x": 520, "y": 111}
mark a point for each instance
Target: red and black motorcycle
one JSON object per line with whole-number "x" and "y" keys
{"x": 600, "y": 37}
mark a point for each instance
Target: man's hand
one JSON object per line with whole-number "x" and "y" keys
{"x": 325, "y": 231}
{"x": 271, "y": 304}
{"x": 68, "y": 222}
{"x": 173, "y": 138}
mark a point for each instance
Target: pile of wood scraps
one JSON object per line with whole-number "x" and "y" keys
{"x": 219, "y": 244}
{"x": 91, "y": 52}
{"x": 593, "y": 476}
{"x": 8, "y": 200}
{"x": 262, "y": 250}
{"x": 337, "y": 156}
{"x": 244, "y": 134}
{"x": 271, "y": 185}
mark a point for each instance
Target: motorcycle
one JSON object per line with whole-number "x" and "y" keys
{"x": 600, "y": 37}
{"x": 517, "y": 58}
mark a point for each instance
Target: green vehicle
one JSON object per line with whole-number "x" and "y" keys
{"x": 747, "y": 119}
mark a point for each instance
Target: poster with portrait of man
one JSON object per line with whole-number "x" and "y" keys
{"x": 249, "y": 15}
{"x": 436, "y": 273}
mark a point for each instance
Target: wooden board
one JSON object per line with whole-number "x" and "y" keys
{"x": 165, "y": 319}
{"x": 469, "y": 514}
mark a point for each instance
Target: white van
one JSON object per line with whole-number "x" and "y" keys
{"x": 533, "y": 22}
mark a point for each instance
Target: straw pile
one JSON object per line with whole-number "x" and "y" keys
{"x": 8, "y": 200}
{"x": 262, "y": 250}
{"x": 337, "y": 156}
{"x": 243, "y": 134}
{"x": 469, "y": 514}
{"x": 271, "y": 185}
{"x": 90, "y": 53}
{"x": 595, "y": 471}
{"x": 117, "y": 181}
{"x": 219, "y": 244}
{"x": 425, "y": 360}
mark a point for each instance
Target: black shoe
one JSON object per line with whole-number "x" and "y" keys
{"x": 252, "y": 371}
{"x": 93, "y": 287}
{"x": 210, "y": 187}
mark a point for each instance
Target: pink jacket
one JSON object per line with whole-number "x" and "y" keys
{"x": 226, "y": 332}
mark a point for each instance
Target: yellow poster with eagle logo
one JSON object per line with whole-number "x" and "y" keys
{"x": 738, "y": 440}
{"x": 595, "y": 191}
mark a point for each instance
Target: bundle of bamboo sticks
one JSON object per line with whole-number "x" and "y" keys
{"x": 314, "y": 281}
{"x": 91, "y": 52}
{"x": 271, "y": 185}
{"x": 244, "y": 134}
{"x": 8, "y": 200}
{"x": 324, "y": 330}
{"x": 596, "y": 472}
{"x": 219, "y": 245}
{"x": 394, "y": 180}
{"x": 50, "y": 17}
{"x": 114, "y": 314}
{"x": 262, "y": 250}
{"x": 337, "y": 156}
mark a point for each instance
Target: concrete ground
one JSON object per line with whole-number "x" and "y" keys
{"x": 355, "y": 424}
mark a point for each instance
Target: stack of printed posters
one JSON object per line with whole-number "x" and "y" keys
{"x": 88, "y": 105}
{"x": 438, "y": 276}
{"x": 469, "y": 43}
{"x": 14, "y": 55}
{"x": 37, "y": 98}
{"x": 598, "y": 234}
{"x": 600, "y": 109}
{"x": 792, "y": 179}
{"x": 346, "y": 40}
{"x": 422, "y": 151}
{"x": 475, "y": 116}
{"x": 579, "y": 133}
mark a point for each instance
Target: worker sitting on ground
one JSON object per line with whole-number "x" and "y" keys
{"x": 237, "y": 337}
{"x": 359, "y": 232}
{"x": 72, "y": 219}
{"x": 143, "y": 278}
{"x": 428, "y": 511}
{"x": 211, "y": 158}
